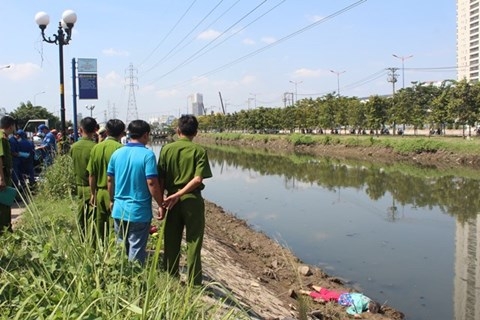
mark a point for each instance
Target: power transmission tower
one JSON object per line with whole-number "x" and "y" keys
{"x": 114, "y": 112}
{"x": 132, "y": 113}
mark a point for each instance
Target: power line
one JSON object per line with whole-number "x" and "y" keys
{"x": 238, "y": 31}
{"x": 212, "y": 23}
{"x": 169, "y": 32}
{"x": 291, "y": 35}
{"x": 191, "y": 58}
{"x": 359, "y": 83}
{"x": 434, "y": 68}
{"x": 168, "y": 54}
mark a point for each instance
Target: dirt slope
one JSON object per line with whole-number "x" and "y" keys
{"x": 259, "y": 272}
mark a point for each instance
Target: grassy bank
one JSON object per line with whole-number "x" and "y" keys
{"x": 47, "y": 272}
{"x": 399, "y": 144}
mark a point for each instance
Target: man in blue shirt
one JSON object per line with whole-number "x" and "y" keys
{"x": 132, "y": 182}
{"x": 48, "y": 146}
{"x": 27, "y": 151}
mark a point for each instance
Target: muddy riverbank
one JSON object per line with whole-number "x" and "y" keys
{"x": 259, "y": 271}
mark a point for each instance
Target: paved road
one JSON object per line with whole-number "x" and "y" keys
{"x": 17, "y": 211}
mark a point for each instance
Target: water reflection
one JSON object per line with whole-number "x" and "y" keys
{"x": 429, "y": 233}
{"x": 419, "y": 187}
{"x": 467, "y": 270}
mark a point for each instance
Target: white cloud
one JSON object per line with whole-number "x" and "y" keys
{"x": 248, "y": 41}
{"x": 210, "y": 34}
{"x": 248, "y": 79}
{"x": 234, "y": 84}
{"x": 166, "y": 93}
{"x": 110, "y": 52}
{"x": 21, "y": 71}
{"x": 268, "y": 40}
{"x": 196, "y": 80}
{"x": 112, "y": 79}
{"x": 148, "y": 88}
{"x": 314, "y": 18}
{"x": 307, "y": 73}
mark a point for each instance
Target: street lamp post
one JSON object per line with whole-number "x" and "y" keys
{"x": 403, "y": 58}
{"x": 35, "y": 97}
{"x": 296, "y": 94}
{"x": 63, "y": 37}
{"x": 338, "y": 73}
{"x": 90, "y": 107}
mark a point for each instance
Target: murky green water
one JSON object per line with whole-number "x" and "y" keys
{"x": 405, "y": 235}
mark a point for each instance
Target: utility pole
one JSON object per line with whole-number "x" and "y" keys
{"x": 403, "y": 58}
{"x": 338, "y": 73}
{"x": 296, "y": 94}
{"x": 392, "y": 77}
{"x": 288, "y": 99}
{"x": 254, "y": 99}
{"x": 248, "y": 102}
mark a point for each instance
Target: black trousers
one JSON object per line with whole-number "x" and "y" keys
{"x": 5, "y": 218}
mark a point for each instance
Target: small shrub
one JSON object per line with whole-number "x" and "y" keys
{"x": 57, "y": 181}
{"x": 300, "y": 139}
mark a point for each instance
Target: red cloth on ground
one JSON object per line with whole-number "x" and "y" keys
{"x": 325, "y": 294}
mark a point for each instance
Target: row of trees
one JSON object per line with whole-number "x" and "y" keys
{"x": 449, "y": 105}
{"x": 27, "y": 111}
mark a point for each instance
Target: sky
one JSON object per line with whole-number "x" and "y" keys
{"x": 251, "y": 51}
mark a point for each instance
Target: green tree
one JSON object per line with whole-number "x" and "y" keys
{"x": 356, "y": 114}
{"x": 327, "y": 112}
{"x": 26, "y": 111}
{"x": 463, "y": 103}
{"x": 376, "y": 112}
{"x": 439, "y": 115}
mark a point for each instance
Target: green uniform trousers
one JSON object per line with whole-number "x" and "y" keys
{"x": 189, "y": 212}
{"x": 84, "y": 213}
{"x": 102, "y": 213}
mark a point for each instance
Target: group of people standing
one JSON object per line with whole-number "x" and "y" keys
{"x": 116, "y": 181}
{"x": 120, "y": 181}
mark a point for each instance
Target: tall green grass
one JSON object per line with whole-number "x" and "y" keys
{"x": 47, "y": 272}
{"x": 400, "y": 144}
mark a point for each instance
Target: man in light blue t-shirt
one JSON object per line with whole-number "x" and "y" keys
{"x": 132, "y": 182}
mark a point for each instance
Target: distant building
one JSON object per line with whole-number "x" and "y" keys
{"x": 468, "y": 39}
{"x": 195, "y": 104}
{"x": 164, "y": 120}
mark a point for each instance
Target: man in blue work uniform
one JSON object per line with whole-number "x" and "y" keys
{"x": 26, "y": 150}
{"x": 48, "y": 146}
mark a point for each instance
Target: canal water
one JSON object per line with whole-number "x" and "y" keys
{"x": 407, "y": 236}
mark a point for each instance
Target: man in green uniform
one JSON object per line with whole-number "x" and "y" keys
{"x": 97, "y": 169}
{"x": 7, "y": 127}
{"x": 182, "y": 166}
{"x": 80, "y": 153}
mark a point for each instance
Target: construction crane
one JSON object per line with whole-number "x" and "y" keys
{"x": 221, "y": 102}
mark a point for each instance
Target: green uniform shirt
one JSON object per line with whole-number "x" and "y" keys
{"x": 99, "y": 158}
{"x": 180, "y": 162}
{"x": 6, "y": 155}
{"x": 80, "y": 153}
